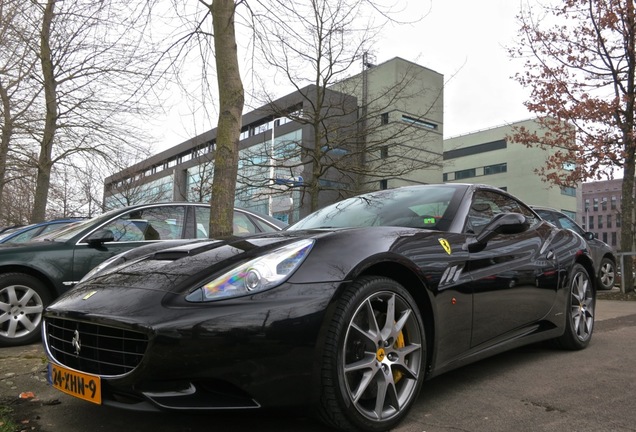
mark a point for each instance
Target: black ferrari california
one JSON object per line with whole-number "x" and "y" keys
{"x": 347, "y": 311}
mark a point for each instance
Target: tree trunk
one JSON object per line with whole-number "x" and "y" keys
{"x": 231, "y": 98}
{"x": 629, "y": 166}
{"x": 5, "y": 137}
{"x": 45, "y": 164}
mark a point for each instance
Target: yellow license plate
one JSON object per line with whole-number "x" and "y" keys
{"x": 81, "y": 385}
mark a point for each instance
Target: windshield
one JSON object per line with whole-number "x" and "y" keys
{"x": 10, "y": 231}
{"x": 417, "y": 207}
{"x": 71, "y": 231}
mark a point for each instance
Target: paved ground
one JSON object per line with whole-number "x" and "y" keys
{"x": 529, "y": 389}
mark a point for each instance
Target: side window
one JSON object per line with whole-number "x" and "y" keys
{"x": 243, "y": 225}
{"x": 202, "y": 222}
{"x": 487, "y": 204}
{"x": 156, "y": 223}
{"x": 52, "y": 227}
{"x": 546, "y": 216}
{"x": 24, "y": 237}
{"x": 568, "y": 223}
{"x": 263, "y": 227}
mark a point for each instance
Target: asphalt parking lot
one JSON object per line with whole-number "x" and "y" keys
{"x": 535, "y": 388}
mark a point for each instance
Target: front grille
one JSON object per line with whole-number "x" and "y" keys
{"x": 103, "y": 350}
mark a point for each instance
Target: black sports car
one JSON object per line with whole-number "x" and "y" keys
{"x": 348, "y": 311}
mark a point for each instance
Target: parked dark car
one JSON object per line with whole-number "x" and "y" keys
{"x": 349, "y": 310}
{"x": 33, "y": 274}
{"x": 27, "y": 233}
{"x": 602, "y": 253}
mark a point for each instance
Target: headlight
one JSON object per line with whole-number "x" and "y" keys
{"x": 256, "y": 275}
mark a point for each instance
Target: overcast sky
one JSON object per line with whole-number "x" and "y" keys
{"x": 464, "y": 40}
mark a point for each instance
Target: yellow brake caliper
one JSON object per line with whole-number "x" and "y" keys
{"x": 399, "y": 343}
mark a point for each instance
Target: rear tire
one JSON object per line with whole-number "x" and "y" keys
{"x": 374, "y": 357}
{"x": 606, "y": 274}
{"x": 580, "y": 309}
{"x": 23, "y": 299}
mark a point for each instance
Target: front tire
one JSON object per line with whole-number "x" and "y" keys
{"x": 580, "y": 309}
{"x": 22, "y": 302}
{"x": 374, "y": 357}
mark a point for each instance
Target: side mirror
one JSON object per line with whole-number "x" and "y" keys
{"x": 100, "y": 236}
{"x": 589, "y": 236}
{"x": 503, "y": 223}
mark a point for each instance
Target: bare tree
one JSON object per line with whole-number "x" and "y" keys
{"x": 17, "y": 201}
{"x": 356, "y": 140}
{"x": 131, "y": 188}
{"x": 581, "y": 69}
{"x": 231, "y": 99}
{"x": 200, "y": 188}
{"x": 17, "y": 89}
{"x": 92, "y": 69}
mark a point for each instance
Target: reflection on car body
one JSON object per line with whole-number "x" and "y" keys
{"x": 602, "y": 254}
{"x": 349, "y": 310}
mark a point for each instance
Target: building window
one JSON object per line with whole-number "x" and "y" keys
{"x": 613, "y": 238}
{"x": 384, "y": 118}
{"x": 495, "y": 169}
{"x": 609, "y": 220}
{"x": 605, "y": 237}
{"x": 587, "y": 205}
{"x": 590, "y": 222}
{"x": 613, "y": 203}
{"x": 384, "y": 152}
{"x": 604, "y": 204}
{"x": 595, "y": 207}
{"x": 569, "y": 191}
{"x": 569, "y": 166}
{"x": 600, "y": 221}
{"x": 618, "y": 220}
{"x": 445, "y": 177}
{"x": 464, "y": 174}
{"x": 418, "y": 122}
{"x": 384, "y": 184}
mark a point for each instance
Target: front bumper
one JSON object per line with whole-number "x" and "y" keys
{"x": 245, "y": 353}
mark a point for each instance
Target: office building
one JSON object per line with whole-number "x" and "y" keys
{"x": 600, "y": 210}
{"x": 381, "y": 128}
{"x": 490, "y": 156}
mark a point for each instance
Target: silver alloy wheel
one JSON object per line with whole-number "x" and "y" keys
{"x": 383, "y": 356}
{"x": 606, "y": 274}
{"x": 20, "y": 311}
{"x": 582, "y": 306}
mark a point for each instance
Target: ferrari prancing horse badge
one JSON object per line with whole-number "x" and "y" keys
{"x": 446, "y": 245}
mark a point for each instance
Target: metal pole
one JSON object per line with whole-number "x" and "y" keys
{"x": 271, "y": 171}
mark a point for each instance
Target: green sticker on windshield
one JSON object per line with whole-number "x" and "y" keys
{"x": 429, "y": 221}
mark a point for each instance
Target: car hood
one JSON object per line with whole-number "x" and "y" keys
{"x": 167, "y": 275}
{"x": 173, "y": 270}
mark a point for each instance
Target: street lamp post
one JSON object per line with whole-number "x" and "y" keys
{"x": 272, "y": 171}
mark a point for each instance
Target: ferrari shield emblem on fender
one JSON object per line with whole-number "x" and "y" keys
{"x": 446, "y": 245}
